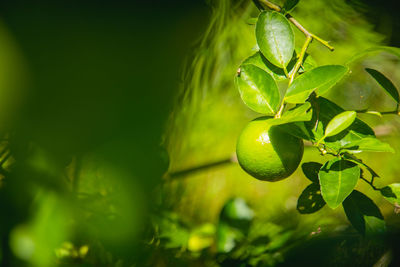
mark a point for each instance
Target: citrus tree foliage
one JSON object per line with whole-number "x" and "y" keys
{"x": 302, "y": 111}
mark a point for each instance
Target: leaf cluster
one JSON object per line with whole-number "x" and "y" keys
{"x": 302, "y": 110}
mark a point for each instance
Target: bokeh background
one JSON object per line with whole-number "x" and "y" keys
{"x": 118, "y": 125}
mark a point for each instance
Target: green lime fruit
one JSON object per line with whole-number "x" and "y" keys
{"x": 267, "y": 152}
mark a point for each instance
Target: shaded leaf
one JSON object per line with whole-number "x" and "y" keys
{"x": 385, "y": 83}
{"x": 324, "y": 111}
{"x": 391, "y": 193}
{"x": 275, "y": 38}
{"x": 310, "y": 199}
{"x": 310, "y": 170}
{"x": 338, "y": 177}
{"x": 340, "y": 122}
{"x": 297, "y": 129}
{"x": 290, "y": 4}
{"x": 258, "y": 89}
{"x": 363, "y": 214}
{"x": 321, "y": 78}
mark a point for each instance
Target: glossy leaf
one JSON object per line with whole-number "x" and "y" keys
{"x": 290, "y": 4}
{"x": 260, "y": 61}
{"x": 300, "y": 113}
{"x": 340, "y": 122}
{"x": 277, "y": 73}
{"x": 310, "y": 170}
{"x": 363, "y": 214}
{"x": 321, "y": 78}
{"x": 310, "y": 199}
{"x": 275, "y": 38}
{"x": 338, "y": 177}
{"x": 258, "y": 89}
{"x": 392, "y": 193}
{"x": 385, "y": 83}
{"x": 324, "y": 111}
{"x": 370, "y": 143}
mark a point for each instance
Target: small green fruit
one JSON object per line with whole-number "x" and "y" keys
{"x": 267, "y": 152}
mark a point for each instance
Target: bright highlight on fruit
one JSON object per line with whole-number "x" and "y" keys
{"x": 267, "y": 152}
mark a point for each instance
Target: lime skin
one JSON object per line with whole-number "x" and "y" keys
{"x": 268, "y": 153}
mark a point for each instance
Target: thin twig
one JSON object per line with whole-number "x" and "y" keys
{"x": 300, "y": 60}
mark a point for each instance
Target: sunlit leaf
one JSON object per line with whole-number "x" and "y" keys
{"x": 363, "y": 214}
{"x": 392, "y": 193}
{"x": 258, "y": 89}
{"x": 321, "y": 78}
{"x": 278, "y": 73}
{"x": 324, "y": 111}
{"x": 260, "y": 61}
{"x": 338, "y": 177}
{"x": 300, "y": 113}
{"x": 275, "y": 38}
{"x": 369, "y": 143}
{"x": 340, "y": 122}
{"x": 310, "y": 199}
{"x": 385, "y": 83}
{"x": 310, "y": 170}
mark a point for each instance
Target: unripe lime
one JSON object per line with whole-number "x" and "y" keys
{"x": 267, "y": 152}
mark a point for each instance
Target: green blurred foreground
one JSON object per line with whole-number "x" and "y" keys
{"x": 97, "y": 130}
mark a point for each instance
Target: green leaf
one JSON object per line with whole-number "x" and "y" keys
{"x": 337, "y": 178}
{"x": 300, "y": 113}
{"x": 392, "y": 193}
{"x": 290, "y": 4}
{"x": 275, "y": 38}
{"x": 297, "y": 129}
{"x": 363, "y": 214}
{"x": 322, "y": 78}
{"x": 358, "y": 161}
{"x": 260, "y": 61}
{"x": 373, "y": 50}
{"x": 340, "y": 122}
{"x": 385, "y": 83}
{"x": 310, "y": 199}
{"x": 324, "y": 111}
{"x": 370, "y": 143}
{"x": 310, "y": 170}
{"x": 258, "y": 89}
{"x": 277, "y": 73}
